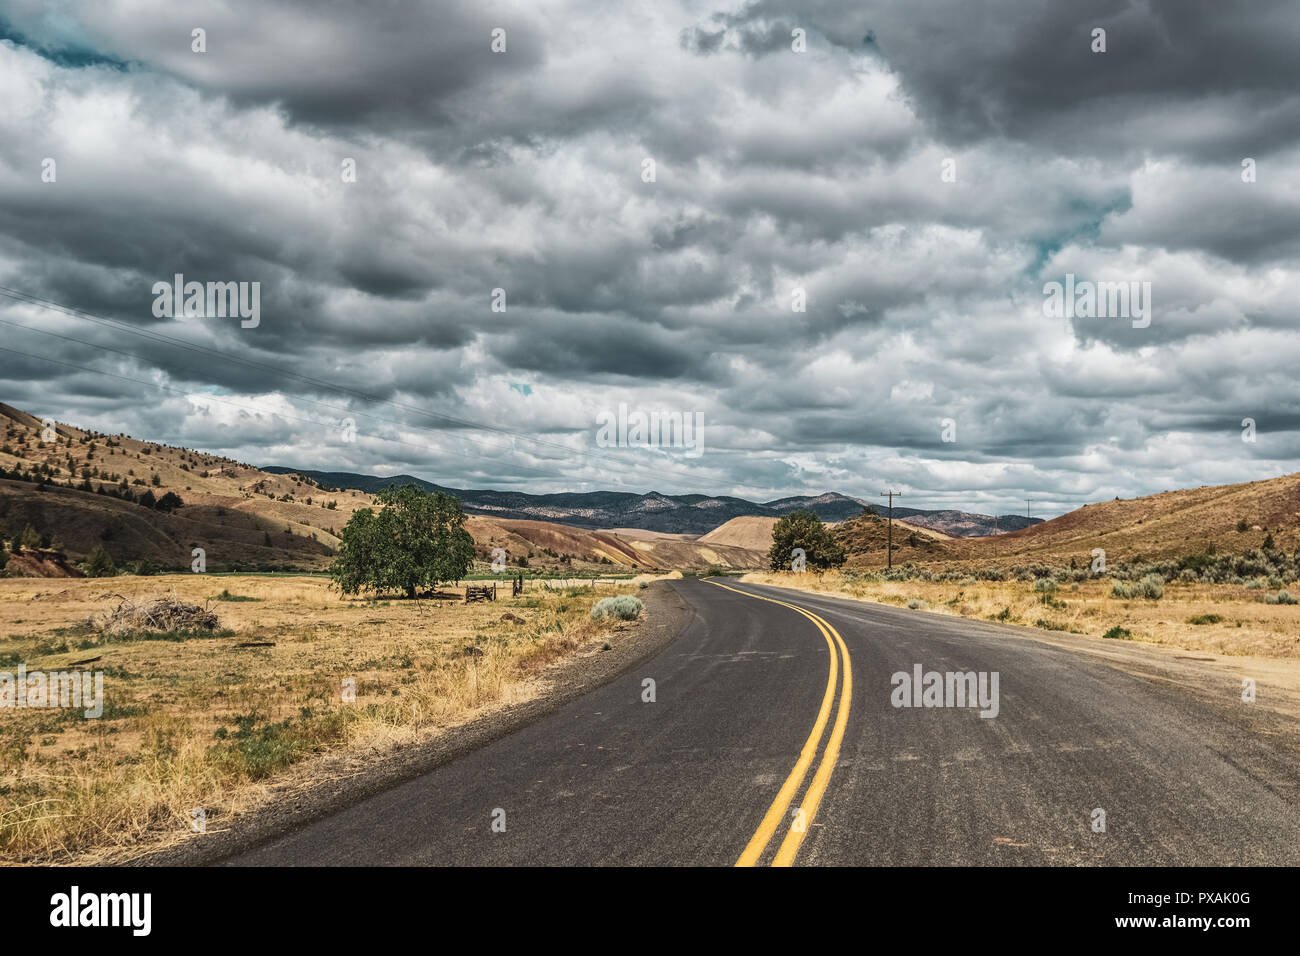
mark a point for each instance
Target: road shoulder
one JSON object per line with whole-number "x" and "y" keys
{"x": 352, "y": 778}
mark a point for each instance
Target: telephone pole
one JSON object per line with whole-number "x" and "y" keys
{"x": 889, "y": 550}
{"x": 1027, "y": 500}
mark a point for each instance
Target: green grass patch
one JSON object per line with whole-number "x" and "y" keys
{"x": 256, "y": 749}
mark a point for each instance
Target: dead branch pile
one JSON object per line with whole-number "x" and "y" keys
{"x": 162, "y": 614}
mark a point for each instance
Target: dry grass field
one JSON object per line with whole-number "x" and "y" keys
{"x": 208, "y": 721}
{"x": 1219, "y": 618}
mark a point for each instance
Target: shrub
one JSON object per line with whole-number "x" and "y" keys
{"x": 1205, "y": 619}
{"x": 916, "y": 604}
{"x": 99, "y": 563}
{"x": 1122, "y": 589}
{"x": 1282, "y": 597}
{"x": 1045, "y": 586}
{"x": 30, "y": 539}
{"x": 625, "y": 607}
{"x": 1118, "y": 633}
{"x": 1151, "y": 586}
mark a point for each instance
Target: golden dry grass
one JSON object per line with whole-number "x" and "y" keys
{"x": 201, "y": 722}
{"x": 1248, "y": 626}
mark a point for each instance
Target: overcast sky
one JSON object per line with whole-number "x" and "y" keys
{"x": 774, "y": 170}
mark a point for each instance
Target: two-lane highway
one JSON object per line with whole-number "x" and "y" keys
{"x": 773, "y": 737}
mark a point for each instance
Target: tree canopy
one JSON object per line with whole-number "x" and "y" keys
{"x": 803, "y": 529}
{"x": 415, "y": 540}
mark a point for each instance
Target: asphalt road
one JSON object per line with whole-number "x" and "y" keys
{"x": 756, "y": 750}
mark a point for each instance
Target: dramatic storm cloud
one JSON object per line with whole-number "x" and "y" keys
{"x": 825, "y": 227}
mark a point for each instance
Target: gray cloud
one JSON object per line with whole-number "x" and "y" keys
{"x": 775, "y": 171}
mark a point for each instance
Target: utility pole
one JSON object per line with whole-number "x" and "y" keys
{"x": 889, "y": 550}
{"x": 1027, "y": 500}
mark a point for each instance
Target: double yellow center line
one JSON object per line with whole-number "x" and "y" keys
{"x": 812, "y": 798}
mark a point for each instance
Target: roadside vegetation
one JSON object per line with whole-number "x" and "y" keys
{"x": 625, "y": 607}
{"x": 247, "y": 694}
{"x": 1226, "y": 604}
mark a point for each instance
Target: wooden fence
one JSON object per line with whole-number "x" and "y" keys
{"x": 480, "y": 592}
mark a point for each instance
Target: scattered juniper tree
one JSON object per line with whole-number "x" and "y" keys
{"x": 415, "y": 540}
{"x": 802, "y": 528}
{"x": 99, "y": 563}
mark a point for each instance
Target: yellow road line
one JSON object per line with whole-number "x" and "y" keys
{"x": 812, "y": 799}
{"x": 830, "y": 757}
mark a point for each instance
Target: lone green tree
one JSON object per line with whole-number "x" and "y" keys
{"x": 415, "y": 540}
{"x": 803, "y": 529}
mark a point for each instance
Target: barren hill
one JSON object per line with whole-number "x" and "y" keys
{"x": 84, "y": 488}
{"x": 747, "y": 532}
{"x": 659, "y": 513}
{"x": 1224, "y": 518}
{"x": 866, "y": 538}
{"x": 1228, "y": 518}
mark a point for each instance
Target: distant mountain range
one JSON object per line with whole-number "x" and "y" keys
{"x": 674, "y": 514}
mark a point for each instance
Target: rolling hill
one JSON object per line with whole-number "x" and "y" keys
{"x": 1223, "y": 519}
{"x": 86, "y": 488}
{"x": 672, "y": 514}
